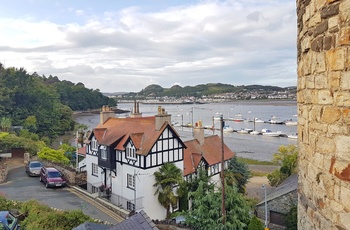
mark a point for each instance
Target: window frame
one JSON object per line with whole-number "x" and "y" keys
{"x": 94, "y": 169}
{"x": 130, "y": 178}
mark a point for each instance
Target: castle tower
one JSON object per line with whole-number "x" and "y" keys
{"x": 324, "y": 114}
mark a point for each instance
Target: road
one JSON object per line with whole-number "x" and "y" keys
{"x": 21, "y": 187}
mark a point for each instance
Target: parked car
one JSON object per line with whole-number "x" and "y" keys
{"x": 8, "y": 221}
{"x": 33, "y": 168}
{"x": 52, "y": 177}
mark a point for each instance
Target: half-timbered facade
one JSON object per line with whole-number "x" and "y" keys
{"x": 124, "y": 153}
{"x": 205, "y": 153}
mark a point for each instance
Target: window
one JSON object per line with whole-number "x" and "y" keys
{"x": 130, "y": 206}
{"x": 103, "y": 150}
{"x": 130, "y": 153}
{"x": 94, "y": 169}
{"x": 94, "y": 144}
{"x": 131, "y": 181}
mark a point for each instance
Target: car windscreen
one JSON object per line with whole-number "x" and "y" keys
{"x": 54, "y": 174}
{"x": 35, "y": 165}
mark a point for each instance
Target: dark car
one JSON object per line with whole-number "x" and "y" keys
{"x": 33, "y": 168}
{"x": 8, "y": 221}
{"x": 52, "y": 177}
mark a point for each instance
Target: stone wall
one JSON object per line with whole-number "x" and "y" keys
{"x": 324, "y": 114}
{"x": 281, "y": 204}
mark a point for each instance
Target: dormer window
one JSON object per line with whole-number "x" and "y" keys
{"x": 103, "y": 151}
{"x": 130, "y": 152}
{"x": 94, "y": 144}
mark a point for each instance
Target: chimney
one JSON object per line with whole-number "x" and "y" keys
{"x": 136, "y": 112}
{"x": 105, "y": 114}
{"x": 162, "y": 117}
{"x": 198, "y": 132}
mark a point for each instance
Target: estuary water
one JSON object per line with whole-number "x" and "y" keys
{"x": 257, "y": 147}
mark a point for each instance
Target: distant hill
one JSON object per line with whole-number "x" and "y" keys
{"x": 199, "y": 90}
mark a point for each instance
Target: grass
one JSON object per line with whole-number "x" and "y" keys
{"x": 260, "y": 174}
{"x": 254, "y": 162}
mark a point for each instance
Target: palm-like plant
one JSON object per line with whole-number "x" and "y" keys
{"x": 166, "y": 178}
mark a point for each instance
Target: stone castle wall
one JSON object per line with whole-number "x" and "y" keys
{"x": 324, "y": 114}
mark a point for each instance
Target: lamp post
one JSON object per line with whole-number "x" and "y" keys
{"x": 264, "y": 188}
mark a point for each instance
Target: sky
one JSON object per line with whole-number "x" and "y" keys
{"x": 124, "y": 46}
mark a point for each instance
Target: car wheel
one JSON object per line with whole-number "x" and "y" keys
{"x": 40, "y": 179}
{"x": 46, "y": 185}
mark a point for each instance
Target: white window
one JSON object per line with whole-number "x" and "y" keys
{"x": 130, "y": 205}
{"x": 131, "y": 181}
{"x": 94, "y": 144}
{"x": 103, "y": 151}
{"x": 130, "y": 152}
{"x": 94, "y": 169}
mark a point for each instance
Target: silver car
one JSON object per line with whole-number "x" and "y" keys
{"x": 33, "y": 168}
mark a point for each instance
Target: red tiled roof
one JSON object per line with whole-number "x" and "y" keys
{"x": 141, "y": 130}
{"x": 82, "y": 150}
{"x": 210, "y": 151}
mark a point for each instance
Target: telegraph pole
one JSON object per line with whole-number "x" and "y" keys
{"x": 223, "y": 211}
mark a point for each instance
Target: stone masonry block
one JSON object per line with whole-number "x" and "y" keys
{"x": 320, "y": 4}
{"x": 344, "y": 219}
{"x": 315, "y": 19}
{"x": 333, "y": 22}
{"x": 345, "y": 198}
{"x": 344, "y": 11}
{"x": 335, "y": 59}
{"x": 344, "y": 38}
{"x": 317, "y": 44}
{"x": 328, "y": 42}
{"x": 318, "y": 62}
{"x": 325, "y": 145}
{"x": 321, "y": 28}
{"x": 342, "y": 98}
{"x": 330, "y": 115}
{"x": 343, "y": 149}
{"x": 346, "y": 119}
{"x": 345, "y": 81}
{"x": 337, "y": 129}
{"x": 321, "y": 81}
{"x": 334, "y": 80}
{"x": 324, "y": 97}
{"x": 305, "y": 44}
{"x": 310, "y": 82}
{"x": 329, "y": 11}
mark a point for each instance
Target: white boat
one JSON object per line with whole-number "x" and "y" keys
{"x": 275, "y": 120}
{"x": 238, "y": 118}
{"x": 255, "y": 132}
{"x": 293, "y": 136}
{"x": 257, "y": 120}
{"x": 227, "y": 129}
{"x": 243, "y": 131}
{"x": 291, "y": 122}
{"x": 269, "y": 133}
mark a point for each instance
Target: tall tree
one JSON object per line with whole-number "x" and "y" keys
{"x": 166, "y": 179}
{"x": 204, "y": 213}
{"x": 237, "y": 173}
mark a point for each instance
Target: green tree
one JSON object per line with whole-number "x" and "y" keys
{"x": 192, "y": 185}
{"x": 287, "y": 158}
{"x": 31, "y": 124}
{"x": 5, "y": 124}
{"x": 237, "y": 173}
{"x": 53, "y": 155}
{"x": 291, "y": 218}
{"x": 255, "y": 224}
{"x": 204, "y": 213}
{"x": 166, "y": 179}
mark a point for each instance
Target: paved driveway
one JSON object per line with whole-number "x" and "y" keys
{"x": 21, "y": 187}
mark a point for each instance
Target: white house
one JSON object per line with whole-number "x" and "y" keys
{"x": 122, "y": 155}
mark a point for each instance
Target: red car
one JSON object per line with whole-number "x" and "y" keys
{"x": 52, "y": 177}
